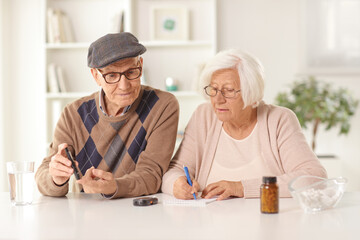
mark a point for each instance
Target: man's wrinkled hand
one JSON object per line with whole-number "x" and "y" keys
{"x": 98, "y": 181}
{"x": 60, "y": 166}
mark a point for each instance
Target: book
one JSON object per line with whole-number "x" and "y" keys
{"x": 122, "y": 17}
{"x": 67, "y": 29}
{"x": 49, "y": 25}
{"x": 59, "y": 28}
{"x": 55, "y": 24}
{"x": 53, "y": 85}
{"x": 117, "y": 22}
{"x": 60, "y": 78}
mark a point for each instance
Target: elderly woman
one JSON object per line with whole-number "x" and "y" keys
{"x": 231, "y": 143}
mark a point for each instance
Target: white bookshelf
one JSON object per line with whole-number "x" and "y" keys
{"x": 77, "y": 45}
{"x": 66, "y": 95}
{"x": 165, "y": 44}
{"x": 91, "y": 19}
{"x": 148, "y": 44}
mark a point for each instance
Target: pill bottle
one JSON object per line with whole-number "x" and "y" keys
{"x": 269, "y": 195}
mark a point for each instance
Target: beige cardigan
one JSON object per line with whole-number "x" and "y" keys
{"x": 283, "y": 147}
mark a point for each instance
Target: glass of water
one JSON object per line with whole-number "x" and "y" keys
{"x": 21, "y": 182}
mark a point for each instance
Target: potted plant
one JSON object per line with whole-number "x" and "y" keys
{"x": 315, "y": 102}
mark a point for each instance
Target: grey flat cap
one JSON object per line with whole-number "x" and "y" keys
{"x": 112, "y": 48}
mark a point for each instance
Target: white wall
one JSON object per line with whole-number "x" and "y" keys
{"x": 271, "y": 31}
{"x": 23, "y": 108}
{"x": 268, "y": 29}
{"x": 2, "y": 165}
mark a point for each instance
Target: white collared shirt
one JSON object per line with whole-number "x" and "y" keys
{"x": 102, "y": 103}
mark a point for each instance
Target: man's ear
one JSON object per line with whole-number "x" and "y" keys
{"x": 141, "y": 65}
{"x": 96, "y": 76}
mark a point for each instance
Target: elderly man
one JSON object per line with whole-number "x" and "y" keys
{"x": 121, "y": 137}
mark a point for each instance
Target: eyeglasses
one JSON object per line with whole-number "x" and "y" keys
{"x": 114, "y": 77}
{"x": 227, "y": 93}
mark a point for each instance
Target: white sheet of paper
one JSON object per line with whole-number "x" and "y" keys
{"x": 199, "y": 202}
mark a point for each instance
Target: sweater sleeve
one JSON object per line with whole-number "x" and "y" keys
{"x": 189, "y": 153}
{"x": 176, "y": 165}
{"x": 293, "y": 154}
{"x": 154, "y": 160}
{"x": 62, "y": 134}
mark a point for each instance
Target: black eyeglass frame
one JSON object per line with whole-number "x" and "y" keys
{"x": 222, "y": 93}
{"x": 121, "y": 73}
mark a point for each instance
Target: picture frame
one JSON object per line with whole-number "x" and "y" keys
{"x": 169, "y": 24}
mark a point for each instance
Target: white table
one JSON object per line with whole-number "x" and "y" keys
{"x": 89, "y": 216}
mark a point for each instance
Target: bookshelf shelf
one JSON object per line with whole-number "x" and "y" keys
{"x": 66, "y": 95}
{"x": 77, "y": 45}
{"x": 177, "y": 43}
{"x": 149, "y": 44}
{"x": 76, "y": 95}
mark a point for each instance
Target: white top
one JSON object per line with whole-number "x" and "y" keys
{"x": 237, "y": 160}
{"x": 90, "y": 216}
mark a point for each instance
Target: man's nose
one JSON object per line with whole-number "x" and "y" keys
{"x": 123, "y": 83}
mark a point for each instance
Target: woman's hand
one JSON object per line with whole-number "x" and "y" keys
{"x": 182, "y": 190}
{"x": 98, "y": 181}
{"x": 223, "y": 188}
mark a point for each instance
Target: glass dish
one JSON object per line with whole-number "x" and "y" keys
{"x": 315, "y": 193}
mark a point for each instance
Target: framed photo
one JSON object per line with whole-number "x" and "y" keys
{"x": 171, "y": 23}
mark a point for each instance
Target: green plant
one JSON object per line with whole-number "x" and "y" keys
{"x": 315, "y": 102}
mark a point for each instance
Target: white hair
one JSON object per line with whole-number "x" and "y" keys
{"x": 250, "y": 71}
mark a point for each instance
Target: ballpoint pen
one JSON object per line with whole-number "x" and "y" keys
{"x": 188, "y": 179}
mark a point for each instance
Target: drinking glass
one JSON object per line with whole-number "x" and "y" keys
{"x": 21, "y": 182}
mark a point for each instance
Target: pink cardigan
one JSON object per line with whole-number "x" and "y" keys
{"x": 283, "y": 146}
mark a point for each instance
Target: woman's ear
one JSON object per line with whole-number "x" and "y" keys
{"x": 96, "y": 76}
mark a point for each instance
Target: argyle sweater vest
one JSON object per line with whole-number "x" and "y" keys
{"x": 136, "y": 147}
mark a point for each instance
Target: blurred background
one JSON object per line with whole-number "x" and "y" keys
{"x": 44, "y": 42}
